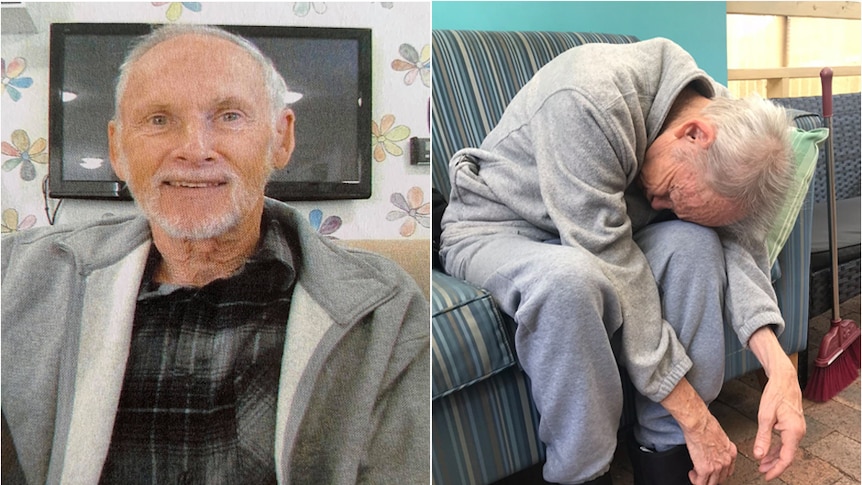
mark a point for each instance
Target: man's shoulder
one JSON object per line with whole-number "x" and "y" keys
{"x": 339, "y": 270}
{"x": 105, "y": 236}
{"x": 94, "y": 228}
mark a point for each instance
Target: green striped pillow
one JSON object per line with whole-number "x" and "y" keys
{"x": 805, "y": 148}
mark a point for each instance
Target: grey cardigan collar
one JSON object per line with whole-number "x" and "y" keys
{"x": 344, "y": 286}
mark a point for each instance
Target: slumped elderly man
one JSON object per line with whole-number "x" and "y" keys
{"x": 618, "y": 213}
{"x": 218, "y": 339}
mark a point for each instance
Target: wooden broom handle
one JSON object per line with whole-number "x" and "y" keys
{"x": 826, "y": 83}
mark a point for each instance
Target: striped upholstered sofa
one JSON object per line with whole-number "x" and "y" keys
{"x": 846, "y": 125}
{"x": 484, "y": 422}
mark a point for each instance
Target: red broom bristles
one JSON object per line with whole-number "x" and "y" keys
{"x": 838, "y": 362}
{"x": 855, "y": 351}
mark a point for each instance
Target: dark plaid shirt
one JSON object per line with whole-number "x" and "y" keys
{"x": 199, "y": 397}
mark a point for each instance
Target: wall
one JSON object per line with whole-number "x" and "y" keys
{"x": 699, "y": 27}
{"x": 399, "y": 206}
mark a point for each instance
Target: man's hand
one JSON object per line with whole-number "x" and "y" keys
{"x": 712, "y": 453}
{"x": 780, "y": 409}
{"x": 780, "y": 406}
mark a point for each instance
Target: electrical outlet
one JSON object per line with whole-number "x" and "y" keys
{"x": 420, "y": 151}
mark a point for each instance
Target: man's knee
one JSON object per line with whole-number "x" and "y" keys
{"x": 570, "y": 276}
{"x": 571, "y": 287}
{"x": 679, "y": 247}
{"x": 695, "y": 242}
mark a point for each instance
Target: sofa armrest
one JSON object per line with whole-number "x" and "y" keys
{"x": 471, "y": 340}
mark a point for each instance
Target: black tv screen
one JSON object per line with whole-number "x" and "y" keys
{"x": 328, "y": 72}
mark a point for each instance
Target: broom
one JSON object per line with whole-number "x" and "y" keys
{"x": 838, "y": 361}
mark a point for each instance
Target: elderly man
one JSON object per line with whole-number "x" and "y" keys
{"x": 218, "y": 339}
{"x": 589, "y": 214}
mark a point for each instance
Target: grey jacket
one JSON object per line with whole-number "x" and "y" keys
{"x": 354, "y": 386}
{"x": 562, "y": 163}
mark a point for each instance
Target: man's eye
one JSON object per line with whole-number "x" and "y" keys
{"x": 230, "y": 116}
{"x": 158, "y": 120}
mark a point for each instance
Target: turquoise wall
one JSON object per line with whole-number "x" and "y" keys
{"x": 699, "y": 27}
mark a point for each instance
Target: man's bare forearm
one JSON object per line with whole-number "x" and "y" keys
{"x": 712, "y": 453}
{"x": 686, "y": 407}
{"x": 765, "y": 346}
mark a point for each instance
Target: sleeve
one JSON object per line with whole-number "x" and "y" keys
{"x": 750, "y": 301}
{"x": 587, "y": 157}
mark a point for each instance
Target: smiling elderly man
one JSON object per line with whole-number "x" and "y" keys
{"x": 218, "y": 339}
{"x": 564, "y": 215}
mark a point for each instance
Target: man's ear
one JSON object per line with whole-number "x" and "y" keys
{"x": 114, "y": 151}
{"x": 285, "y": 140}
{"x": 698, "y": 131}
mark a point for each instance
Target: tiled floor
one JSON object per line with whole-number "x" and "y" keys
{"x": 830, "y": 452}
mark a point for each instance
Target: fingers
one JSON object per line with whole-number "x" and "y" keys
{"x": 775, "y": 458}
{"x": 729, "y": 471}
{"x": 780, "y": 456}
{"x": 785, "y": 456}
{"x": 771, "y": 458}
{"x": 716, "y": 471}
{"x": 711, "y": 479}
{"x": 763, "y": 439}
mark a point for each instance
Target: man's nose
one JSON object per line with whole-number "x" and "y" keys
{"x": 196, "y": 139}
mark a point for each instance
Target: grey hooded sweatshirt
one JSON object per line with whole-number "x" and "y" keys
{"x": 563, "y": 163}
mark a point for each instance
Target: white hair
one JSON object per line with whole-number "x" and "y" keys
{"x": 751, "y": 159}
{"x": 275, "y": 85}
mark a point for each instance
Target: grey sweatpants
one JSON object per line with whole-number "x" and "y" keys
{"x": 567, "y": 313}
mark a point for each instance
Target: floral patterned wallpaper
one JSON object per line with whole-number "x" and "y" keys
{"x": 400, "y": 203}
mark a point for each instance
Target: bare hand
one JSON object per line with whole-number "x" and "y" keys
{"x": 780, "y": 409}
{"x": 712, "y": 453}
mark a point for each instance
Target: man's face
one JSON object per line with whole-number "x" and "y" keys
{"x": 196, "y": 141}
{"x": 669, "y": 181}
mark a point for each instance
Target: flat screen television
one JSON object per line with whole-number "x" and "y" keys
{"x": 328, "y": 72}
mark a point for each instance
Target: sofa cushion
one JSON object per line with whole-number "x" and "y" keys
{"x": 470, "y": 340}
{"x": 847, "y": 215}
